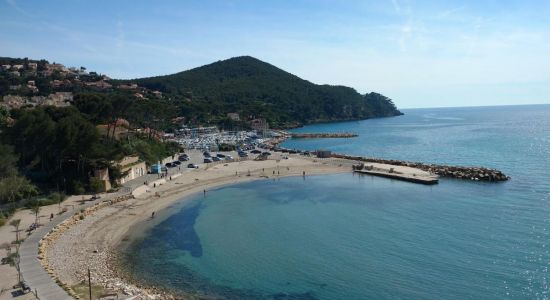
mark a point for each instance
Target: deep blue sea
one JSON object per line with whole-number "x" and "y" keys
{"x": 361, "y": 237}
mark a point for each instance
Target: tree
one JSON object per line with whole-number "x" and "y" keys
{"x": 8, "y": 161}
{"x": 15, "y": 188}
{"x": 57, "y": 198}
{"x": 4, "y": 114}
{"x": 36, "y": 210}
{"x": 15, "y": 223}
{"x": 96, "y": 185}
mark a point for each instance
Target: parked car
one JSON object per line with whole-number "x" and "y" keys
{"x": 243, "y": 154}
{"x": 192, "y": 166}
{"x": 228, "y": 157}
{"x": 206, "y": 154}
{"x": 215, "y": 158}
{"x": 177, "y": 162}
{"x": 207, "y": 160}
{"x": 184, "y": 157}
{"x": 169, "y": 165}
{"x": 266, "y": 153}
{"x": 256, "y": 151}
{"x": 220, "y": 155}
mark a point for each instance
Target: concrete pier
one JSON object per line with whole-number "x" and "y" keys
{"x": 398, "y": 172}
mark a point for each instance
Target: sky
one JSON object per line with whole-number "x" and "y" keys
{"x": 419, "y": 53}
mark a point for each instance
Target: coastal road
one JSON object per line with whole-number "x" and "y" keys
{"x": 32, "y": 271}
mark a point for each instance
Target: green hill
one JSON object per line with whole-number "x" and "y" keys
{"x": 253, "y": 88}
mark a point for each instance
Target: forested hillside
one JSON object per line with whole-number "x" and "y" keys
{"x": 253, "y": 88}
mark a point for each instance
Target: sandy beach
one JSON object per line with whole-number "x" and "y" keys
{"x": 93, "y": 241}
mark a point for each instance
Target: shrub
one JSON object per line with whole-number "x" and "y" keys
{"x": 96, "y": 185}
{"x": 76, "y": 187}
{"x": 10, "y": 259}
{"x": 3, "y": 221}
{"x": 57, "y": 197}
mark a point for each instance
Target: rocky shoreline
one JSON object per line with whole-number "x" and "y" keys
{"x": 459, "y": 172}
{"x": 93, "y": 237}
{"x": 323, "y": 135}
{"x": 103, "y": 263}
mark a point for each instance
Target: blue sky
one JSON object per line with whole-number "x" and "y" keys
{"x": 419, "y": 53}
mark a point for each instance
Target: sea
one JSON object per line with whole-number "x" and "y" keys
{"x": 345, "y": 236}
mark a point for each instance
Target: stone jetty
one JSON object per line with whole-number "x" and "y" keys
{"x": 323, "y": 135}
{"x": 459, "y": 172}
{"x": 468, "y": 173}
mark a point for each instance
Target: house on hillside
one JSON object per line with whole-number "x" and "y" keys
{"x": 132, "y": 86}
{"x": 157, "y": 94}
{"x": 260, "y": 125}
{"x": 101, "y": 84}
{"x": 234, "y": 116}
{"x": 118, "y": 129}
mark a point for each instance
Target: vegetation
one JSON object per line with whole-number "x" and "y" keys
{"x": 57, "y": 147}
{"x": 49, "y": 149}
{"x": 106, "y": 107}
{"x": 253, "y": 88}
{"x": 13, "y": 186}
{"x": 58, "y": 150}
{"x": 15, "y": 224}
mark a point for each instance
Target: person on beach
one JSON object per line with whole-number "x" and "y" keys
{"x": 304, "y": 173}
{"x": 204, "y": 191}
{"x": 152, "y": 215}
{"x": 51, "y": 216}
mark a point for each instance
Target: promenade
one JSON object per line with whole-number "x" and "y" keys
{"x": 33, "y": 273}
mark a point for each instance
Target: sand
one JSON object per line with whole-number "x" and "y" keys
{"x": 93, "y": 242}
{"x": 8, "y": 274}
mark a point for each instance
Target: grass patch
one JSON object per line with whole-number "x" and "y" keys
{"x": 81, "y": 290}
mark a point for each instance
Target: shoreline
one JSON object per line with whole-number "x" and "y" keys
{"x": 111, "y": 229}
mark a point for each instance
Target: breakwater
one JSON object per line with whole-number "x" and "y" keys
{"x": 322, "y": 135}
{"x": 459, "y": 172}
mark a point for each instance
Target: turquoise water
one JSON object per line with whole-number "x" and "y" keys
{"x": 351, "y": 237}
